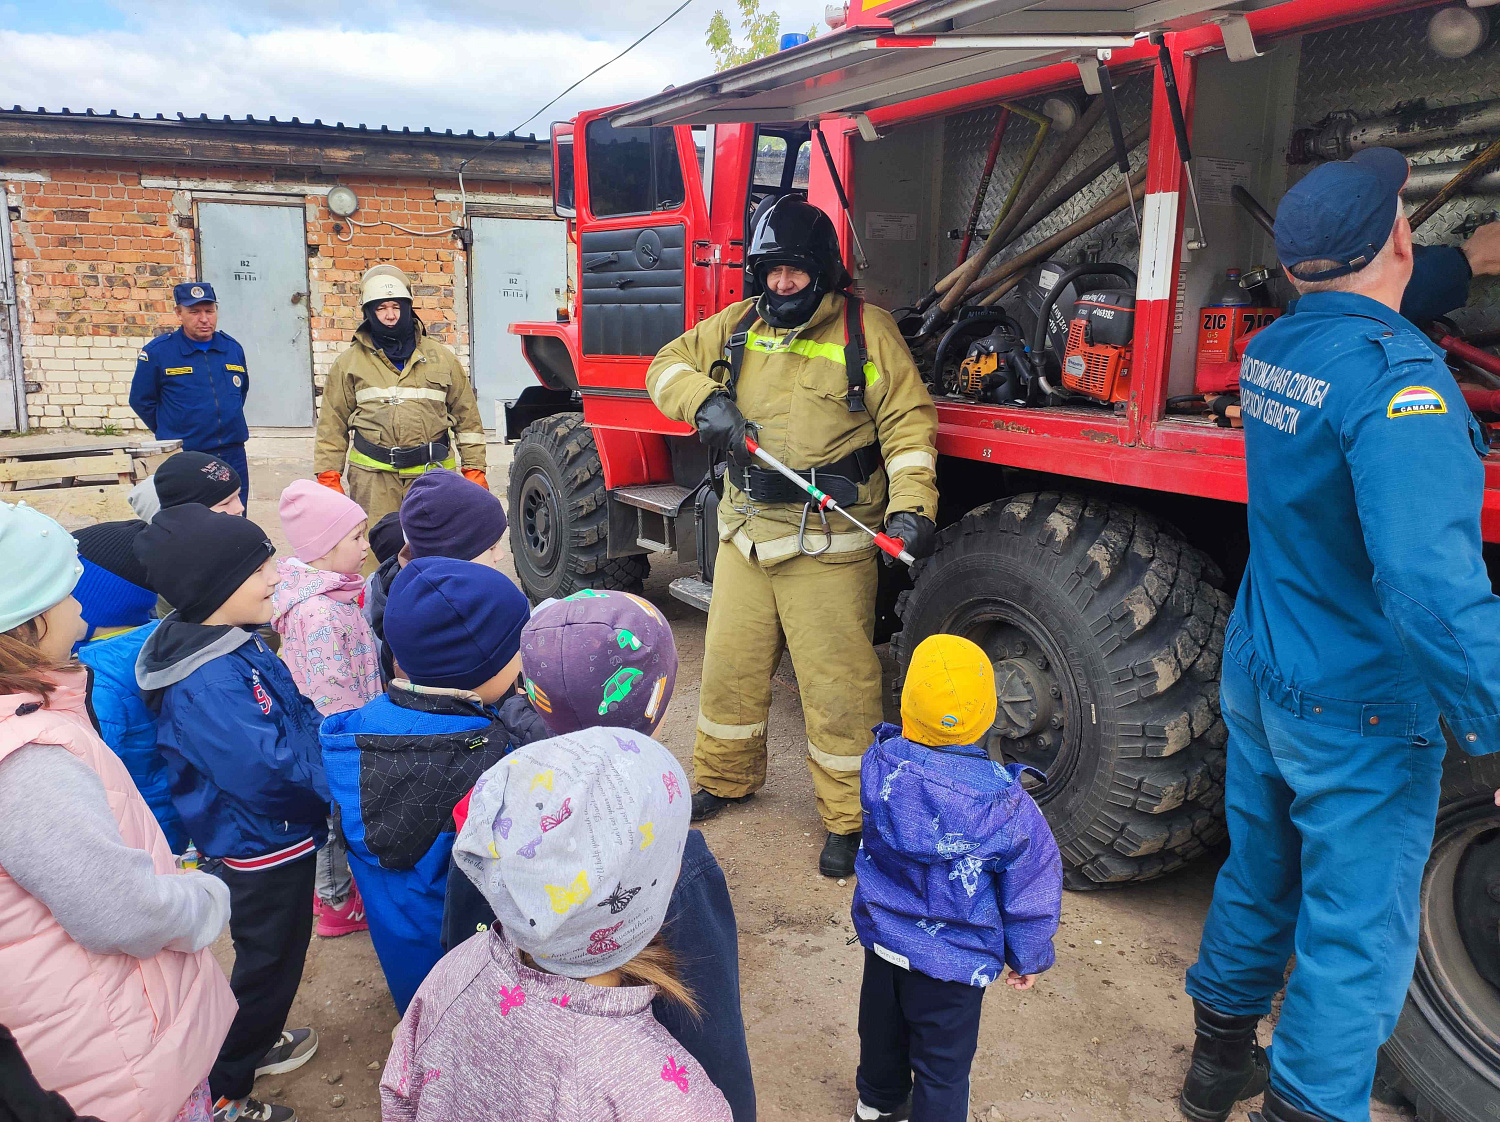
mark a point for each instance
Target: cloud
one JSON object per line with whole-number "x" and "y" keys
{"x": 379, "y": 63}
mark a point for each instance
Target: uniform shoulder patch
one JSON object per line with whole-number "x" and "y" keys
{"x": 1414, "y": 401}
{"x": 143, "y": 356}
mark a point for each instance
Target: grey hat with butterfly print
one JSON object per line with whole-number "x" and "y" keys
{"x": 576, "y": 843}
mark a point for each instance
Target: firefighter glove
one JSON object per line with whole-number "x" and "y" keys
{"x": 723, "y": 428}
{"x": 917, "y": 532}
{"x": 331, "y": 479}
{"x": 474, "y": 475}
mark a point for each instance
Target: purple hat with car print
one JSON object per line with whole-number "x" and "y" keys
{"x": 599, "y": 658}
{"x": 576, "y": 842}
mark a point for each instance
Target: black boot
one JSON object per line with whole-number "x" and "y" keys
{"x": 1277, "y": 1109}
{"x": 1228, "y": 1065}
{"x": 837, "y": 858}
{"x": 706, "y": 804}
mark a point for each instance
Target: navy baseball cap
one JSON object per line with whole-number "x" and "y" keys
{"x": 1342, "y": 211}
{"x": 194, "y": 292}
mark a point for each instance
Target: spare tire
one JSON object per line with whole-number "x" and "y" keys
{"x": 1444, "y": 1056}
{"x": 1105, "y": 630}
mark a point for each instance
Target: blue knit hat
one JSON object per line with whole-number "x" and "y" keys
{"x": 453, "y": 624}
{"x": 40, "y": 562}
{"x": 114, "y": 590}
{"x": 446, "y": 515}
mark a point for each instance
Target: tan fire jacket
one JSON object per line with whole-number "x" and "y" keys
{"x": 794, "y": 386}
{"x": 397, "y": 409}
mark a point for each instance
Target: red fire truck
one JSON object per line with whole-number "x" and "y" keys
{"x": 1095, "y": 153}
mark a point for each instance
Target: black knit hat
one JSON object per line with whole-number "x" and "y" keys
{"x": 197, "y": 557}
{"x": 195, "y": 477}
{"x": 111, "y": 546}
{"x": 386, "y": 538}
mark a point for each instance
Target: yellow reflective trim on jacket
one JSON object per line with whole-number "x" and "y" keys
{"x": 807, "y": 348}
{"x": 394, "y": 395}
{"x": 359, "y": 459}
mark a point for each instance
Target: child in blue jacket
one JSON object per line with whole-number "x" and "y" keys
{"x": 241, "y": 746}
{"x": 398, "y": 764}
{"x": 117, "y": 605}
{"x": 608, "y": 660}
{"x": 959, "y": 877}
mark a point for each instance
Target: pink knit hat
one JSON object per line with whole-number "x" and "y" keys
{"x": 316, "y": 518}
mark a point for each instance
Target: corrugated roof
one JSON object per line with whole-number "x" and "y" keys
{"x": 252, "y": 122}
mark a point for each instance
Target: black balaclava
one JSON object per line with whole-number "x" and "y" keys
{"x": 786, "y": 312}
{"x": 397, "y": 342}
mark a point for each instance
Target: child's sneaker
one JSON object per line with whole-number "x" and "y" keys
{"x": 294, "y": 1049}
{"x": 863, "y": 1113}
{"x": 252, "y": 1110}
{"x": 345, "y": 920}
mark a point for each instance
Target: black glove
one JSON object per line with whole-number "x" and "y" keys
{"x": 723, "y": 427}
{"x": 918, "y": 534}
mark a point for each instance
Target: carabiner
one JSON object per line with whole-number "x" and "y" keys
{"x": 802, "y": 533}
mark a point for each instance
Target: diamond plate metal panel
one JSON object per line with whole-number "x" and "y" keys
{"x": 966, "y": 142}
{"x": 1372, "y": 67}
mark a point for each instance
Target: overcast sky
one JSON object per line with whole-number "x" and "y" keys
{"x": 460, "y": 64}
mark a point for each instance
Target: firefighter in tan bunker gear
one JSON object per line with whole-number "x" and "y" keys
{"x": 394, "y": 402}
{"x": 825, "y": 382}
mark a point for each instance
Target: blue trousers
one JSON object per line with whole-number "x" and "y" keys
{"x": 1329, "y": 832}
{"x": 917, "y": 1036}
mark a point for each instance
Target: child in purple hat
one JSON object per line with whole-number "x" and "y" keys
{"x": 608, "y": 659}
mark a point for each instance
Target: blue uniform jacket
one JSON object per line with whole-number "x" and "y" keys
{"x": 959, "y": 875}
{"x": 241, "y": 743}
{"x": 1439, "y": 283}
{"x": 198, "y": 397}
{"x": 128, "y": 726}
{"x": 1365, "y": 602}
{"x": 396, "y": 767}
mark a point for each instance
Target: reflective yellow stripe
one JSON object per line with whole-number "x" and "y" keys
{"x": 395, "y": 395}
{"x": 359, "y": 459}
{"x": 471, "y": 438}
{"x": 807, "y": 348}
{"x": 909, "y": 460}
{"x": 671, "y": 372}
{"x": 777, "y": 548}
{"x": 730, "y": 732}
{"x": 841, "y": 764}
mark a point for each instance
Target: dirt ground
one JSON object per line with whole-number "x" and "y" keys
{"x": 1104, "y": 1037}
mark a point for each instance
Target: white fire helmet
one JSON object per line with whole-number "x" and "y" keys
{"x": 383, "y": 282}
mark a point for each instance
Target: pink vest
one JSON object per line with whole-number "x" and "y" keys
{"x": 123, "y": 1038}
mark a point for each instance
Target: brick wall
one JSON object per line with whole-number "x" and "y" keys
{"x": 98, "y": 248}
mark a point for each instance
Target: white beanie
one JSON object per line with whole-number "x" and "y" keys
{"x": 40, "y": 562}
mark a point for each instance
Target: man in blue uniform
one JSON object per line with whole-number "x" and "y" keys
{"x": 1364, "y": 614}
{"x": 191, "y": 385}
{"x": 1440, "y": 274}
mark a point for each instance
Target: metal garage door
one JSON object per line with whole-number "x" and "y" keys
{"x": 519, "y": 272}
{"x": 256, "y": 258}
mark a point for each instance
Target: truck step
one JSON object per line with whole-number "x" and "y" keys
{"x": 659, "y": 498}
{"x": 691, "y": 590}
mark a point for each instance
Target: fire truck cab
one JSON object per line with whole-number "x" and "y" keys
{"x": 1092, "y": 525}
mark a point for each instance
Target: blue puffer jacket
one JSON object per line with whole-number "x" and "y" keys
{"x": 959, "y": 875}
{"x": 396, "y": 766}
{"x": 128, "y": 727}
{"x": 241, "y": 743}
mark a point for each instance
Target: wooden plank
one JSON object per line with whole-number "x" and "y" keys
{"x": 76, "y": 507}
{"x": 22, "y": 451}
{"x": 115, "y": 463}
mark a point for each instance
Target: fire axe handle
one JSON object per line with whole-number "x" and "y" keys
{"x": 892, "y": 547}
{"x": 1474, "y": 168}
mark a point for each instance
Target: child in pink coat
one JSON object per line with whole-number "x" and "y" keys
{"x": 328, "y": 646}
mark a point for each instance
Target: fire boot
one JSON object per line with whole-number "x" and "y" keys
{"x": 1277, "y": 1109}
{"x": 1228, "y": 1065}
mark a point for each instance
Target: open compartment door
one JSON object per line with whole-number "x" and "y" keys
{"x": 930, "y": 48}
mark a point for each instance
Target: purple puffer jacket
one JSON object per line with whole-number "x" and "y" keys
{"x": 958, "y": 875}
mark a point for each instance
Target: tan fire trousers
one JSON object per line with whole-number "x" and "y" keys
{"x": 824, "y": 614}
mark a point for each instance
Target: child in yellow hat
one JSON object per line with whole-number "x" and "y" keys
{"x": 959, "y": 878}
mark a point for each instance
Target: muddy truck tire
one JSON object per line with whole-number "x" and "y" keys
{"x": 1444, "y": 1057}
{"x": 1105, "y": 630}
{"x": 559, "y": 513}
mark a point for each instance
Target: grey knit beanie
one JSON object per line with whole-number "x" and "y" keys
{"x": 576, "y": 843}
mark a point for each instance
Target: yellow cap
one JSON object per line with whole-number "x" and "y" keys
{"x": 949, "y": 696}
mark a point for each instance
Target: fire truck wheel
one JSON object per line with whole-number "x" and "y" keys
{"x": 1444, "y": 1057}
{"x": 1105, "y": 631}
{"x": 559, "y": 513}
